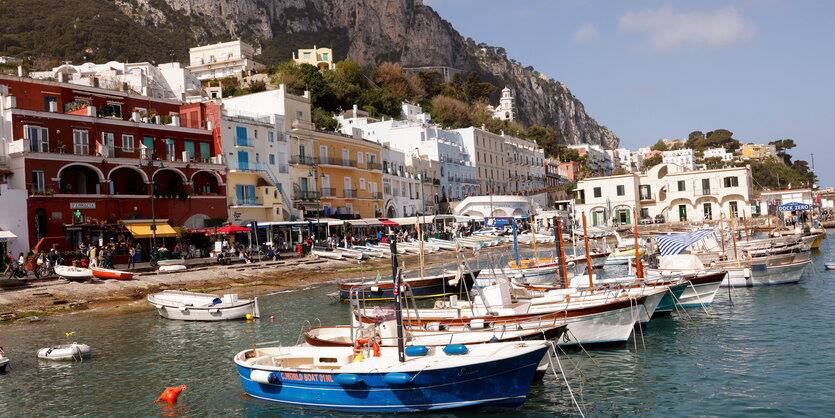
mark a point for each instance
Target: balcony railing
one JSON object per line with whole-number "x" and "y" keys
{"x": 247, "y": 201}
{"x": 302, "y": 160}
{"x": 328, "y": 192}
{"x": 243, "y": 141}
{"x": 303, "y": 124}
{"x": 706, "y": 192}
{"x": 337, "y": 161}
{"x": 376, "y": 195}
{"x": 374, "y": 166}
{"x": 305, "y": 194}
{"x": 350, "y": 193}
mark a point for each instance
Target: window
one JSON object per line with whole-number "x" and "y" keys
{"x": 243, "y": 160}
{"x": 80, "y": 142}
{"x": 241, "y": 139}
{"x": 682, "y": 213}
{"x": 306, "y": 55}
{"x": 113, "y": 110}
{"x": 645, "y": 191}
{"x": 732, "y": 181}
{"x": 325, "y": 56}
{"x": 205, "y": 152}
{"x": 705, "y": 186}
{"x": 682, "y": 185}
{"x": 169, "y": 149}
{"x": 255, "y": 133}
{"x": 359, "y": 157}
{"x": 644, "y": 213}
{"x": 271, "y": 136}
{"x": 245, "y": 194}
{"x": 734, "y": 209}
{"x": 708, "y": 211}
{"x": 362, "y": 184}
{"x": 148, "y": 142}
{"x": 272, "y": 159}
{"x": 189, "y": 147}
{"x": 50, "y": 104}
{"x": 127, "y": 143}
{"x": 299, "y": 115}
{"x": 38, "y": 138}
{"x": 38, "y": 181}
{"x": 597, "y": 192}
{"x": 107, "y": 144}
{"x": 621, "y": 190}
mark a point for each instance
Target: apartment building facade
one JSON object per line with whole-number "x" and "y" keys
{"x": 487, "y": 152}
{"x": 90, "y": 158}
{"x": 234, "y": 58}
{"x": 401, "y": 187}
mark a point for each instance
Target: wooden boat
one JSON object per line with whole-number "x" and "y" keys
{"x": 74, "y": 273}
{"x": 103, "y": 273}
{"x": 353, "y": 254}
{"x": 192, "y": 306}
{"x": 444, "y": 284}
{"x": 340, "y": 335}
{"x": 65, "y": 352}
{"x": 333, "y": 255}
{"x": 374, "y": 380}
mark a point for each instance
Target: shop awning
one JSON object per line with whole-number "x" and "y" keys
{"x": 143, "y": 230}
{"x": 6, "y": 236}
{"x": 387, "y": 222}
{"x": 232, "y": 229}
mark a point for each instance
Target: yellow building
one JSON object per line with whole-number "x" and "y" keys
{"x": 758, "y": 152}
{"x": 317, "y": 57}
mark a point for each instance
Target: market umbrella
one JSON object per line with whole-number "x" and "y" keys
{"x": 231, "y": 229}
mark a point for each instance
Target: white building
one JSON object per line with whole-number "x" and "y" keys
{"x": 630, "y": 161}
{"x": 499, "y": 206}
{"x": 598, "y": 161}
{"x": 506, "y": 110}
{"x": 720, "y": 153}
{"x": 667, "y": 190}
{"x": 166, "y": 81}
{"x": 682, "y": 157}
{"x": 525, "y": 162}
{"x": 401, "y": 188}
{"x": 223, "y": 60}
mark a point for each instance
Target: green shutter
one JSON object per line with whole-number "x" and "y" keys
{"x": 204, "y": 151}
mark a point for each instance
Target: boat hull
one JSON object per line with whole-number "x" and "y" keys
{"x": 668, "y": 302}
{"x": 340, "y": 336}
{"x": 111, "y": 274}
{"x": 763, "y": 275}
{"x": 68, "y": 352}
{"x": 501, "y": 384}
{"x": 74, "y": 273}
{"x": 429, "y": 287}
{"x": 193, "y": 307}
{"x": 701, "y": 290}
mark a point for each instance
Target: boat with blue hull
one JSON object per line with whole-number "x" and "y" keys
{"x": 485, "y": 376}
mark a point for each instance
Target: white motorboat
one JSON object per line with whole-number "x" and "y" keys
{"x": 759, "y": 272}
{"x": 373, "y": 252}
{"x": 65, "y": 352}
{"x": 333, "y": 255}
{"x": 192, "y": 306}
{"x": 171, "y": 268}
{"x": 74, "y": 273}
{"x": 4, "y": 361}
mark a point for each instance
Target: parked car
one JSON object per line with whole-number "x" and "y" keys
{"x": 659, "y": 219}
{"x": 646, "y": 221}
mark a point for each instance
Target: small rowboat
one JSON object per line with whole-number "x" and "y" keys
{"x": 102, "y": 273}
{"x": 335, "y": 255}
{"x": 191, "y": 306}
{"x": 65, "y": 352}
{"x": 829, "y": 265}
{"x": 74, "y": 273}
{"x": 4, "y": 361}
{"x": 171, "y": 268}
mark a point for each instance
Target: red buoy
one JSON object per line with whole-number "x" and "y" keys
{"x": 171, "y": 394}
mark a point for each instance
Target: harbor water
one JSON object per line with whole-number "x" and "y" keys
{"x": 766, "y": 350}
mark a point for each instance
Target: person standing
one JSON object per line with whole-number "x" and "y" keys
{"x": 131, "y": 257}
{"x": 94, "y": 261}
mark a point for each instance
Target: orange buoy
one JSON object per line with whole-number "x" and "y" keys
{"x": 171, "y": 394}
{"x": 272, "y": 318}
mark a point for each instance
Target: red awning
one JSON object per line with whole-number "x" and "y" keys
{"x": 200, "y": 231}
{"x": 231, "y": 229}
{"x": 387, "y": 222}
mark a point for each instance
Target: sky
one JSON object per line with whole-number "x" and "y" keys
{"x": 763, "y": 69}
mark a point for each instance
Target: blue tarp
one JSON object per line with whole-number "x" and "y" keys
{"x": 791, "y": 206}
{"x": 676, "y": 243}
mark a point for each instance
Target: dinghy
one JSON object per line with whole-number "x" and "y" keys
{"x": 103, "y": 273}
{"x": 333, "y": 255}
{"x": 74, "y": 273}
{"x": 829, "y": 265}
{"x": 4, "y": 361}
{"x": 65, "y": 352}
{"x": 192, "y": 306}
{"x": 171, "y": 268}
{"x": 353, "y": 254}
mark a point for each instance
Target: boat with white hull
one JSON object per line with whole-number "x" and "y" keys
{"x": 65, "y": 352}
{"x": 74, "y": 273}
{"x": 764, "y": 274}
{"x": 192, "y": 306}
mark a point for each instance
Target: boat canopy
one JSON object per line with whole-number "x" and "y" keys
{"x": 676, "y": 243}
{"x": 681, "y": 262}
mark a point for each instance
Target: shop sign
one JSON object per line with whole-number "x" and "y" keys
{"x": 82, "y": 205}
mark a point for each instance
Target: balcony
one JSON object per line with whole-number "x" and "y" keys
{"x": 351, "y": 193}
{"x": 243, "y": 141}
{"x": 302, "y": 160}
{"x": 303, "y": 125}
{"x": 376, "y": 195}
{"x": 706, "y": 192}
{"x": 337, "y": 161}
{"x": 305, "y": 194}
{"x": 328, "y": 192}
{"x": 247, "y": 201}
{"x": 374, "y": 166}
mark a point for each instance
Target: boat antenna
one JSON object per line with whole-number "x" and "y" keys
{"x": 395, "y": 276}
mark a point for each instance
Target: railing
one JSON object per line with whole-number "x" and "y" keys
{"x": 377, "y": 195}
{"x": 337, "y": 161}
{"x": 305, "y": 194}
{"x": 243, "y": 141}
{"x": 250, "y": 201}
{"x": 303, "y": 124}
{"x": 705, "y": 192}
{"x": 350, "y": 193}
{"x": 302, "y": 159}
{"x": 328, "y": 192}
{"x": 374, "y": 166}
{"x": 253, "y": 166}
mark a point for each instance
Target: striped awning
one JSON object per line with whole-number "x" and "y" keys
{"x": 676, "y": 243}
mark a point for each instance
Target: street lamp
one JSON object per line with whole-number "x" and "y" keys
{"x": 153, "y": 214}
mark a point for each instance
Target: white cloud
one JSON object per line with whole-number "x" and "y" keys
{"x": 667, "y": 30}
{"x": 586, "y": 34}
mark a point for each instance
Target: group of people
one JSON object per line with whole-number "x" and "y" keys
{"x": 95, "y": 256}
{"x": 20, "y": 266}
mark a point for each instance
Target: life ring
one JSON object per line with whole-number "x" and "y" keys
{"x": 374, "y": 346}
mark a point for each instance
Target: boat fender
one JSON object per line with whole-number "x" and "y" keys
{"x": 263, "y": 376}
{"x": 746, "y": 272}
{"x": 348, "y": 379}
{"x": 416, "y": 350}
{"x": 397, "y": 378}
{"x": 477, "y": 324}
{"x": 358, "y": 358}
{"x": 374, "y": 346}
{"x": 375, "y": 289}
{"x": 493, "y": 339}
{"x": 170, "y": 395}
{"x": 456, "y": 349}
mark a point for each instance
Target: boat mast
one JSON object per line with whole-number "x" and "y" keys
{"x": 560, "y": 251}
{"x": 395, "y": 276}
{"x": 533, "y": 236}
{"x": 515, "y": 246}
{"x": 419, "y": 228}
{"x": 745, "y": 222}
{"x": 768, "y": 217}
{"x": 722, "y": 233}
{"x": 588, "y": 256}
{"x": 640, "y": 270}
{"x": 733, "y": 237}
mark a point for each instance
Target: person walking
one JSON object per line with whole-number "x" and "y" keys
{"x": 94, "y": 260}
{"x": 131, "y": 257}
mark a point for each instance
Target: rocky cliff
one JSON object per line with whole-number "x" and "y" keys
{"x": 366, "y": 31}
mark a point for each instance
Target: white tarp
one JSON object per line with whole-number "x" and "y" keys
{"x": 6, "y": 236}
{"x": 681, "y": 262}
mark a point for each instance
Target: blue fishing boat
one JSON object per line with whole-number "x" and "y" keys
{"x": 367, "y": 378}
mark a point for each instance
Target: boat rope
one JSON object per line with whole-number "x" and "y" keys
{"x": 680, "y": 310}
{"x": 696, "y": 292}
{"x": 584, "y": 378}
{"x": 567, "y": 385}
{"x": 577, "y": 340}
{"x": 641, "y": 327}
{"x": 632, "y": 313}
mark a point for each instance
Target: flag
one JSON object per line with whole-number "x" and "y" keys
{"x": 788, "y": 186}
{"x": 378, "y": 277}
{"x": 818, "y": 198}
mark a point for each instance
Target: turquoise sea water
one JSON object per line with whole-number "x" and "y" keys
{"x": 761, "y": 351}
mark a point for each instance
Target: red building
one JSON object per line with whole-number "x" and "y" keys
{"x": 83, "y": 155}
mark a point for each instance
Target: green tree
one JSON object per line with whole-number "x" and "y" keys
{"x": 694, "y": 138}
{"x": 653, "y": 161}
{"x": 713, "y": 163}
{"x": 475, "y": 89}
{"x": 323, "y": 120}
{"x": 660, "y": 145}
{"x": 781, "y": 146}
